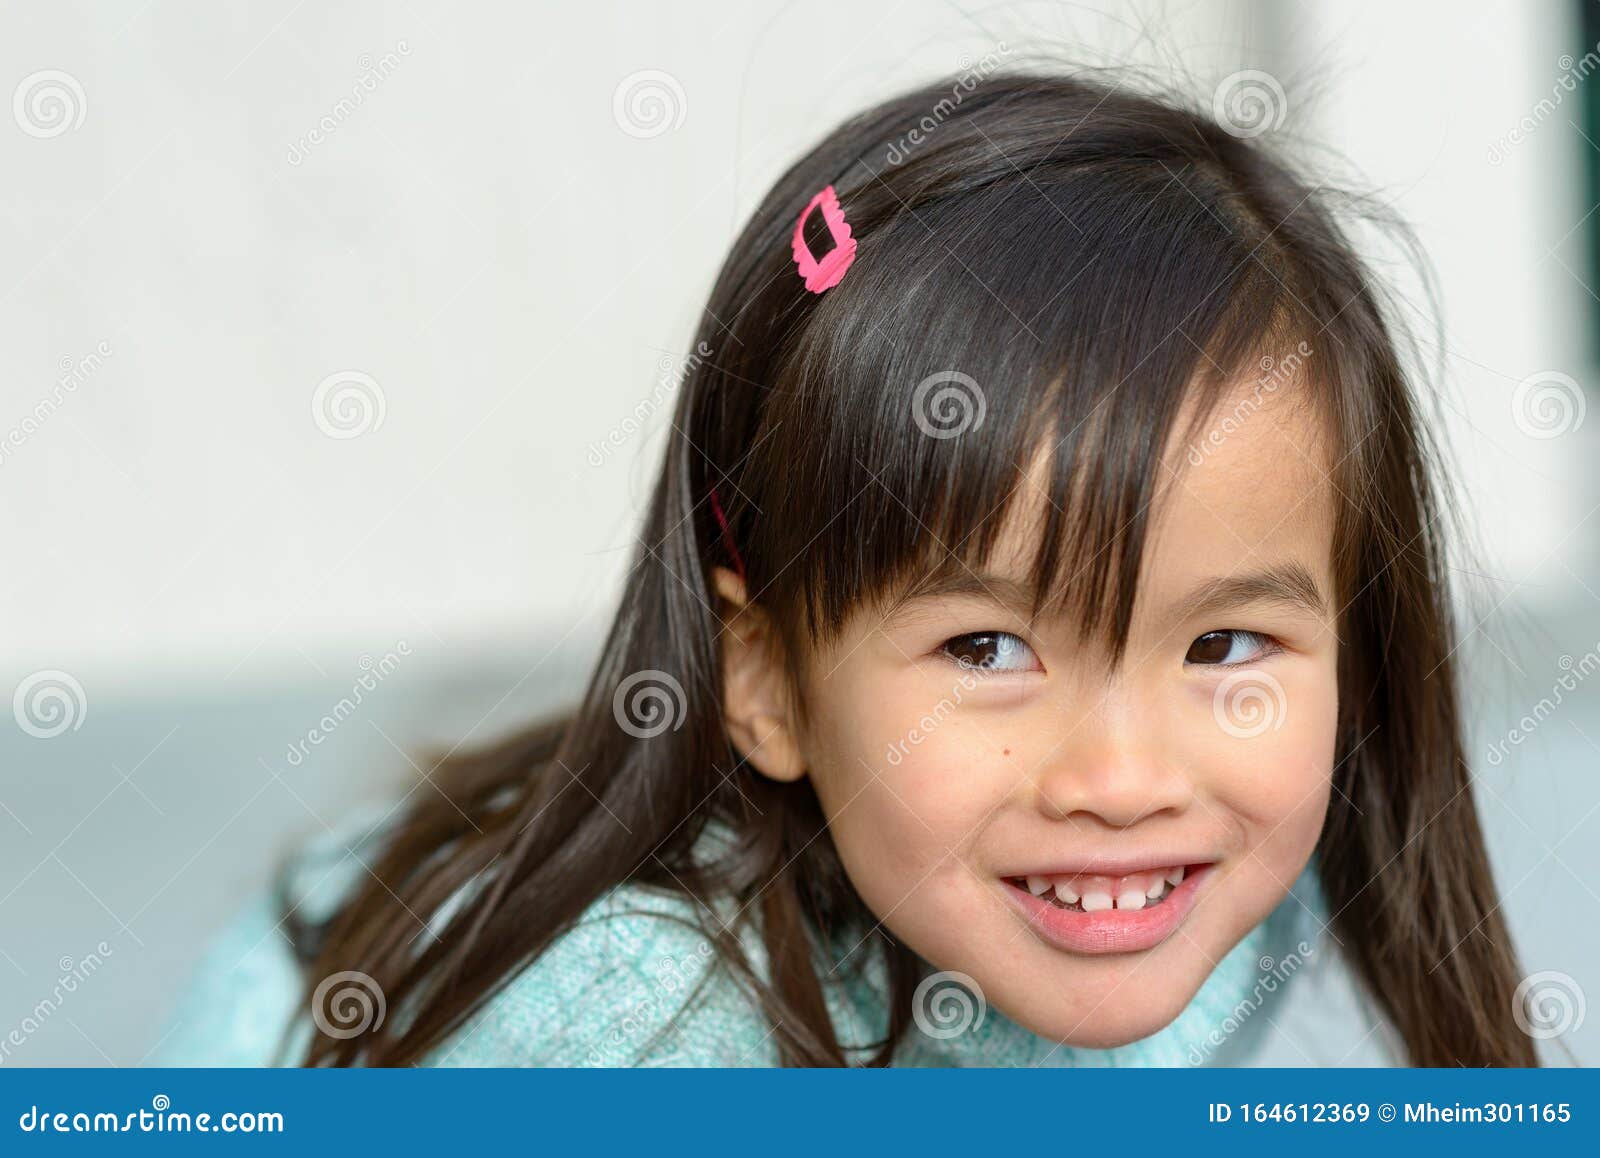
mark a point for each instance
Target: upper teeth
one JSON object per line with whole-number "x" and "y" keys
{"x": 1094, "y": 893}
{"x": 1095, "y": 900}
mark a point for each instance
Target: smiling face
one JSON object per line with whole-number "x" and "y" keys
{"x": 1088, "y": 841}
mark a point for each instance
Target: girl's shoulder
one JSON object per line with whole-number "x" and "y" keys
{"x": 635, "y": 981}
{"x": 239, "y": 998}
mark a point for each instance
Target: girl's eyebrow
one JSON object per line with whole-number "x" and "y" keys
{"x": 1009, "y": 593}
{"x": 1289, "y": 584}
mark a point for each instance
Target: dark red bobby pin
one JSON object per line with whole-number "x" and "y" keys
{"x": 727, "y": 533}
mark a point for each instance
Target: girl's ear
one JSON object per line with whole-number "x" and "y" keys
{"x": 756, "y": 701}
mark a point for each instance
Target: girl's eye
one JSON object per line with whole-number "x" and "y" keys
{"x": 1227, "y": 648}
{"x": 992, "y": 651}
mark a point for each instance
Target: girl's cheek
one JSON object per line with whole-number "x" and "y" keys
{"x": 953, "y": 775}
{"x": 905, "y": 836}
{"x": 1269, "y": 746}
{"x": 917, "y": 765}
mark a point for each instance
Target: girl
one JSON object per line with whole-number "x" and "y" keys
{"x": 1038, "y": 654}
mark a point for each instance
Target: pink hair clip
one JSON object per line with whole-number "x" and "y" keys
{"x": 824, "y": 274}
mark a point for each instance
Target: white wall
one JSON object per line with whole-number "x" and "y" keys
{"x": 1423, "y": 98}
{"x": 480, "y": 236}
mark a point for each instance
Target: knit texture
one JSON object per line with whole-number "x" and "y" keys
{"x": 635, "y": 982}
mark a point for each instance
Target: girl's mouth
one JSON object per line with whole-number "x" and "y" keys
{"x": 1091, "y": 913}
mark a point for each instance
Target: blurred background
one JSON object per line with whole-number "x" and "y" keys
{"x": 337, "y": 348}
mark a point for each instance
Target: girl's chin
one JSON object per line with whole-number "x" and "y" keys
{"x": 1115, "y": 1006}
{"x": 1105, "y": 1028}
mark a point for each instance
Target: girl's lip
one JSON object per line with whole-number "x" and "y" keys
{"x": 1110, "y": 930}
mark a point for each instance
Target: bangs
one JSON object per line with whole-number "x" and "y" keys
{"x": 1025, "y": 344}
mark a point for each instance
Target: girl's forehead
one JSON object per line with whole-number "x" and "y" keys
{"x": 1250, "y": 492}
{"x": 1244, "y": 486}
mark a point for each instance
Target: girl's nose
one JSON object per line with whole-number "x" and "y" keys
{"x": 1118, "y": 774}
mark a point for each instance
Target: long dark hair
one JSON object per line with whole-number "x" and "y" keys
{"x": 1081, "y": 259}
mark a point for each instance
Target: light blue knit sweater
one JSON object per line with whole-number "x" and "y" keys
{"x": 616, "y": 990}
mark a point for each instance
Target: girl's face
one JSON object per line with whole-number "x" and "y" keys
{"x": 1087, "y": 842}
